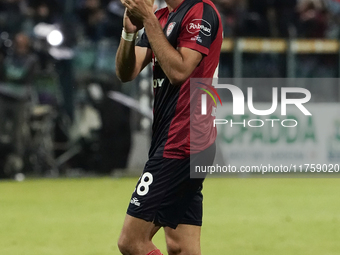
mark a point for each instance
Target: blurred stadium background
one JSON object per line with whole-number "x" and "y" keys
{"x": 65, "y": 115}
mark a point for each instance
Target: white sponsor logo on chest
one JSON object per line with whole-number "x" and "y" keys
{"x": 158, "y": 83}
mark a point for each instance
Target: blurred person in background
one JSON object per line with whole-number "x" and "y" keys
{"x": 285, "y": 17}
{"x": 232, "y": 13}
{"x": 313, "y": 19}
{"x": 46, "y": 11}
{"x": 93, "y": 18}
{"x": 314, "y": 22}
{"x": 244, "y": 18}
{"x": 257, "y": 21}
{"x": 333, "y": 9}
{"x": 12, "y": 15}
{"x": 20, "y": 64}
{"x": 262, "y": 18}
{"x": 115, "y": 11}
{"x": 18, "y": 70}
{"x": 271, "y": 18}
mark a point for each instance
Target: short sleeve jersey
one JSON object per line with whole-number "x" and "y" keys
{"x": 194, "y": 24}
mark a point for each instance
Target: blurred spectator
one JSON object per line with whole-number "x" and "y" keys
{"x": 46, "y": 11}
{"x": 18, "y": 72}
{"x": 93, "y": 17}
{"x": 333, "y": 8}
{"x": 105, "y": 3}
{"x": 286, "y": 18}
{"x": 261, "y": 18}
{"x": 232, "y": 13}
{"x": 115, "y": 11}
{"x": 20, "y": 65}
{"x": 257, "y": 23}
{"x": 12, "y": 15}
{"x": 313, "y": 21}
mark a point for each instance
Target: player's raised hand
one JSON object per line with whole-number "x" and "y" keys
{"x": 140, "y": 9}
{"x": 130, "y": 23}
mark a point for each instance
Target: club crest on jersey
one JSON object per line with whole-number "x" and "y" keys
{"x": 197, "y": 25}
{"x": 170, "y": 28}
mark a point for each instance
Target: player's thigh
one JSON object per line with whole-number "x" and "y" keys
{"x": 184, "y": 240}
{"x": 137, "y": 231}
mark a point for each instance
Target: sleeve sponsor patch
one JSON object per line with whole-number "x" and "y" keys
{"x": 197, "y": 25}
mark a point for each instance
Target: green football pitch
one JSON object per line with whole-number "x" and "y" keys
{"x": 241, "y": 216}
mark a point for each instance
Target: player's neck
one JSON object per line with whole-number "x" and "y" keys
{"x": 172, "y": 4}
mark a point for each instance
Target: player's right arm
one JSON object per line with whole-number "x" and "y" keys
{"x": 131, "y": 59}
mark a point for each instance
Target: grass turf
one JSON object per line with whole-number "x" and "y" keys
{"x": 241, "y": 216}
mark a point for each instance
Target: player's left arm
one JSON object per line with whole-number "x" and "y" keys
{"x": 177, "y": 64}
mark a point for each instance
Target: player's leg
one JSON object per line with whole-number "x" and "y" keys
{"x": 136, "y": 236}
{"x": 139, "y": 227}
{"x": 184, "y": 240}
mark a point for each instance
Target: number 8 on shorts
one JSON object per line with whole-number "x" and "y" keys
{"x": 145, "y": 182}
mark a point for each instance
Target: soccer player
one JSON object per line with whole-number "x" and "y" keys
{"x": 183, "y": 41}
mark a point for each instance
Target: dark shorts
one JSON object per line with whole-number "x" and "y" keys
{"x": 166, "y": 195}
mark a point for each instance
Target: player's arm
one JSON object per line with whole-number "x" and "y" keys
{"x": 131, "y": 59}
{"x": 177, "y": 64}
